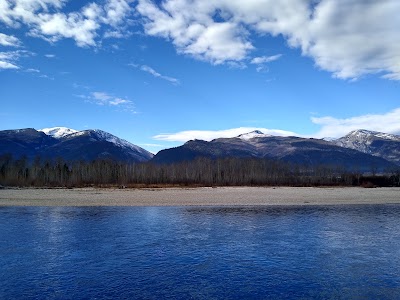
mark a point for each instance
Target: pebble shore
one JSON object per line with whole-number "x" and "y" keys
{"x": 221, "y": 196}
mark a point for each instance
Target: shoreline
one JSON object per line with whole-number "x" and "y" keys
{"x": 202, "y": 196}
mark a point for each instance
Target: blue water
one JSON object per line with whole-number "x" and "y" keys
{"x": 335, "y": 252}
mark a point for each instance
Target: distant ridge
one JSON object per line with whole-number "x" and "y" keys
{"x": 379, "y": 144}
{"x": 358, "y": 150}
{"x": 256, "y": 144}
{"x": 70, "y": 145}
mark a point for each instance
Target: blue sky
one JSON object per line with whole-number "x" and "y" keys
{"x": 160, "y": 73}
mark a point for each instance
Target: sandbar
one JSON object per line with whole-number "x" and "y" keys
{"x": 204, "y": 196}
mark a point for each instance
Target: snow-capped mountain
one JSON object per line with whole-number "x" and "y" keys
{"x": 372, "y": 142}
{"x": 24, "y": 142}
{"x": 360, "y": 149}
{"x": 58, "y": 132}
{"x": 289, "y": 149}
{"x": 252, "y": 134}
{"x": 96, "y": 136}
{"x": 70, "y": 145}
{"x": 360, "y": 139}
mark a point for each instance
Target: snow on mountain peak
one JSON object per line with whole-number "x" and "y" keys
{"x": 252, "y": 134}
{"x": 58, "y": 132}
{"x": 363, "y": 134}
{"x": 108, "y": 137}
{"x": 329, "y": 139}
{"x": 362, "y": 139}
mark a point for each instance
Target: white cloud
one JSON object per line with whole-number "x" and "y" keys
{"x": 116, "y": 11}
{"x": 36, "y": 72}
{"x": 364, "y": 41}
{"x": 262, "y": 68}
{"x": 50, "y": 55}
{"x": 77, "y": 26}
{"x": 7, "y": 65}
{"x": 330, "y": 127}
{"x": 106, "y": 99}
{"x": 261, "y": 62}
{"x": 208, "y": 135}
{"x": 46, "y": 76}
{"x": 10, "y": 55}
{"x": 220, "y": 42}
{"x": 133, "y": 65}
{"x": 117, "y": 34}
{"x": 190, "y": 26}
{"x": 9, "y": 59}
{"x": 152, "y": 145}
{"x": 81, "y": 96}
{"x": 101, "y": 97}
{"x": 236, "y": 65}
{"x": 45, "y": 19}
{"x": 153, "y": 148}
{"x": 265, "y": 59}
{"x": 119, "y": 101}
{"x": 9, "y": 40}
{"x": 156, "y": 74}
{"x": 13, "y": 13}
{"x": 350, "y": 39}
{"x": 334, "y": 127}
{"x": 80, "y": 86}
{"x": 32, "y": 70}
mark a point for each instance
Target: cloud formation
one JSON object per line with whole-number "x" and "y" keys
{"x": 31, "y": 70}
{"x": 261, "y": 61}
{"x": 45, "y": 19}
{"x": 333, "y": 127}
{"x": 158, "y": 75}
{"x": 347, "y": 38}
{"x": 330, "y": 128}
{"x": 154, "y": 73}
{"x": 102, "y": 98}
{"x": 265, "y": 59}
{"x": 106, "y": 99}
{"x": 9, "y": 40}
{"x": 208, "y": 135}
{"x": 9, "y": 59}
{"x": 192, "y": 29}
{"x": 7, "y": 65}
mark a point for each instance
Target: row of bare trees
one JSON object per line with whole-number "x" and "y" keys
{"x": 202, "y": 171}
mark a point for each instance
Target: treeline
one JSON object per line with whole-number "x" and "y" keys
{"x": 200, "y": 172}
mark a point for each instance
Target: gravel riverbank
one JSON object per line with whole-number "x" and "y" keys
{"x": 198, "y": 196}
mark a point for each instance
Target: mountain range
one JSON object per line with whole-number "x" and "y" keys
{"x": 289, "y": 149}
{"x": 69, "y": 144}
{"x": 359, "y": 150}
{"x": 375, "y": 143}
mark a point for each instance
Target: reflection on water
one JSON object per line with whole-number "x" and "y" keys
{"x": 200, "y": 252}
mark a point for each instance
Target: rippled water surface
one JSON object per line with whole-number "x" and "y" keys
{"x": 201, "y": 253}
